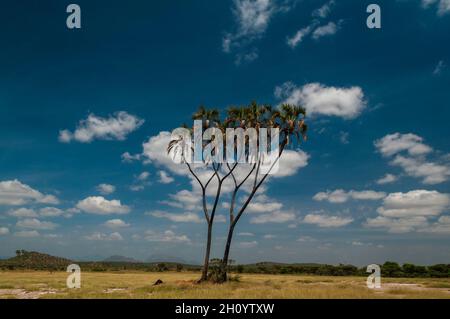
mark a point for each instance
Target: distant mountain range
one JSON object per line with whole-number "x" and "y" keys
{"x": 121, "y": 259}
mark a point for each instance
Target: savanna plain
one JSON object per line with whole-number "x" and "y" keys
{"x": 180, "y": 285}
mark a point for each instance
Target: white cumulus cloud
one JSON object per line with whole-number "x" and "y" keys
{"x": 187, "y": 217}
{"x": 167, "y": 236}
{"x": 327, "y": 221}
{"x": 15, "y": 193}
{"x": 116, "y": 223}
{"x": 325, "y": 30}
{"x": 342, "y": 196}
{"x": 165, "y": 178}
{"x": 27, "y": 233}
{"x": 319, "y": 99}
{"x": 104, "y": 237}
{"x": 106, "y": 189}
{"x": 34, "y": 223}
{"x": 409, "y": 153}
{"x": 115, "y": 127}
{"x": 386, "y": 179}
{"x": 411, "y": 211}
{"x": 101, "y": 206}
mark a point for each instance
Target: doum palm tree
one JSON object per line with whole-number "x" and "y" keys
{"x": 290, "y": 122}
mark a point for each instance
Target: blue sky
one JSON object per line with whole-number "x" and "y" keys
{"x": 371, "y": 184}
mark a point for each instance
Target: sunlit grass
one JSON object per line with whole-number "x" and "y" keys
{"x": 37, "y": 284}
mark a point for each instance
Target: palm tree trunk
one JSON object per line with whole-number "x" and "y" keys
{"x": 223, "y": 271}
{"x": 207, "y": 253}
{"x": 233, "y": 221}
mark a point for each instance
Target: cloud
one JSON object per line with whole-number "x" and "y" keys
{"x": 128, "y": 158}
{"x": 220, "y": 218}
{"x": 306, "y": 239}
{"x": 4, "y": 231}
{"x": 397, "y": 225}
{"x": 443, "y": 6}
{"x": 52, "y": 212}
{"x": 101, "y": 206}
{"x": 415, "y": 163}
{"x": 246, "y": 234}
{"x": 367, "y": 195}
{"x": 414, "y": 203}
{"x": 115, "y": 127}
{"x": 275, "y": 217}
{"x": 106, "y": 189}
{"x": 395, "y": 143}
{"x": 327, "y": 221}
{"x": 406, "y": 212}
{"x": 361, "y": 244}
{"x": 116, "y": 223}
{"x": 324, "y": 10}
{"x": 52, "y": 236}
{"x": 439, "y": 67}
{"x": 386, "y": 179}
{"x": 22, "y": 212}
{"x": 14, "y": 193}
{"x": 35, "y": 223}
{"x": 248, "y": 244}
{"x": 319, "y": 99}
{"x": 143, "y": 176}
{"x": 104, "y": 237}
{"x": 167, "y": 237}
{"x": 246, "y": 57}
{"x": 155, "y": 152}
{"x": 291, "y": 162}
{"x": 185, "y": 199}
{"x": 252, "y": 18}
{"x": 343, "y": 137}
{"x": 341, "y": 196}
{"x": 298, "y": 37}
{"x": 442, "y": 226}
{"x": 268, "y": 210}
{"x": 263, "y": 204}
{"x": 187, "y": 217}
{"x": 140, "y": 182}
{"x": 269, "y": 236}
{"x": 325, "y": 30}
{"x": 27, "y": 234}
{"x": 165, "y": 178}
{"x": 316, "y": 31}
{"x": 431, "y": 173}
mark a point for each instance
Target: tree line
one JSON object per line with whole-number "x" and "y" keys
{"x": 36, "y": 261}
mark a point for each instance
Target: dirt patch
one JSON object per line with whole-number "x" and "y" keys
{"x": 23, "y": 294}
{"x": 113, "y": 290}
{"x": 398, "y": 288}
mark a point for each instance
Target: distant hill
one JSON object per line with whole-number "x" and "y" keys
{"x": 35, "y": 260}
{"x": 169, "y": 259}
{"x": 272, "y": 263}
{"x": 121, "y": 259}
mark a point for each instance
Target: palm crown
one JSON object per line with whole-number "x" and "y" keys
{"x": 289, "y": 119}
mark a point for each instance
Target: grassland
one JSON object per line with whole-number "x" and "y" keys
{"x": 42, "y": 284}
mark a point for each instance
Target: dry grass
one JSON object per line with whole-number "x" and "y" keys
{"x": 35, "y": 284}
